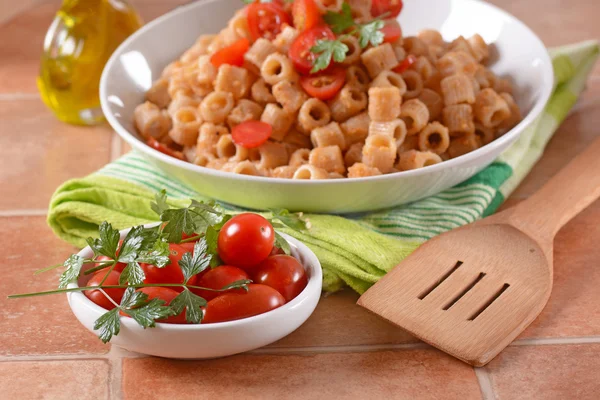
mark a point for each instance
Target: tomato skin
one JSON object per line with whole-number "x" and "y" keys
{"x": 119, "y": 267}
{"x": 170, "y": 273}
{"x": 251, "y": 134}
{"x": 393, "y": 7}
{"x": 405, "y": 64}
{"x": 245, "y": 240}
{"x": 98, "y": 297}
{"x": 306, "y": 14}
{"x": 284, "y": 274}
{"x": 325, "y": 85}
{"x": 217, "y": 278}
{"x": 232, "y": 55}
{"x": 391, "y": 31}
{"x": 231, "y": 306}
{"x": 167, "y": 295}
{"x": 300, "y": 53}
{"x": 156, "y": 145}
{"x": 265, "y": 20}
{"x": 277, "y": 250}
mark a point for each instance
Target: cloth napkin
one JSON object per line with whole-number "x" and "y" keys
{"x": 354, "y": 251}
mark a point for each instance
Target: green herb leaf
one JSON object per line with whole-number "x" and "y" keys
{"x": 195, "y": 218}
{"x": 147, "y": 314}
{"x": 282, "y": 244}
{"x": 107, "y": 243}
{"x": 160, "y": 205}
{"x": 192, "y": 304}
{"x": 132, "y": 274}
{"x": 158, "y": 255}
{"x": 371, "y": 33}
{"x": 290, "y": 220}
{"x": 327, "y": 50}
{"x": 73, "y": 266}
{"x": 241, "y": 284}
{"x": 340, "y": 22}
{"x": 108, "y": 324}
{"x": 131, "y": 244}
{"x": 132, "y": 298}
{"x": 193, "y": 264}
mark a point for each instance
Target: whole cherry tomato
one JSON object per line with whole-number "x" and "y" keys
{"x": 231, "y": 306}
{"x": 171, "y": 273}
{"x": 325, "y": 85}
{"x": 251, "y": 134}
{"x": 284, "y": 274}
{"x": 217, "y": 278}
{"x": 245, "y": 240}
{"x": 300, "y": 53}
{"x": 266, "y": 20}
{"x": 306, "y": 14}
{"x": 167, "y": 295}
{"x": 232, "y": 55}
{"x": 391, "y": 8}
{"x": 119, "y": 267}
{"x": 98, "y": 297}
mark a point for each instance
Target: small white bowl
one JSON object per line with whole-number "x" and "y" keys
{"x": 210, "y": 340}
{"x": 141, "y": 58}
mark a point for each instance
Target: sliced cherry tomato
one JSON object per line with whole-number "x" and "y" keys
{"x": 167, "y": 295}
{"x": 391, "y": 7}
{"x": 284, "y": 274}
{"x": 306, "y": 14}
{"x": 391, "y": 31}
{"x": 217, "y": 278}
{"x": 325, "y": 85}
{"x": 232, "y": 55}
{"x": 98, "y": 297}
{"x": 170, "y": 273}
{"x": 119, "y": 267}
{"x": 245, "y": 240}
{"x": 251, "y": 134}
{"x": 405, "y": 64}
{"x": 300, "y": 53}
{"x": 265, "y": 20}
{"x": 231, "y": 306}
{"x": 156, "y": 145}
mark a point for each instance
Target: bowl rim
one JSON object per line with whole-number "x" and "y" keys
{"x": 315, "y": 281}
{"x": 505, "y": 140}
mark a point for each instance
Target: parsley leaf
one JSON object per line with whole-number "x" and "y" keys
{"x": 193, "y": 264}
{"x": 147, "y": 314}
{"x": 211, "y": 237}
{"x": 340, "y": 22}
{"x": 73, "y": 267}
{"x": 160, "y": 205}
{"x": 108, "y": 242}
{"x": 241, "y": 284}
{"x": 132, "y": 274}
{"x": 327, "y": 50}
{"x": 158, "y": 255}
{"x": 194, "y": 218}
{"x": 132, "y": 298}
{"x": 192, "y": 304}
{"x": 282, "y": 244}
{"x": 290, "y": 220}
{"x": 131, "y": 244}
{"x": 371, "y": 33}
{"x": 108, "y": 324}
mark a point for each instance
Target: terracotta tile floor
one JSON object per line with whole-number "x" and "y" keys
{"x": 342, "y": 351}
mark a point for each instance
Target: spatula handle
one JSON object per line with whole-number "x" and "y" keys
{"x": 569, "y": 192}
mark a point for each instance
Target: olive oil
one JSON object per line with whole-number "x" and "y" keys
{"x": 78, "y": 44}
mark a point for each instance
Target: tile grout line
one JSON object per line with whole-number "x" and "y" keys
{"x": 115, "y": 379}
{"x": 485, "y": 384}
{"x": 340, "y": 349}
{"x": 556, "y": 341}
{"x": 24, "y": 213}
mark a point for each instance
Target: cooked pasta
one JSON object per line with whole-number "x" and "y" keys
{"x": 328, "y": 158}
{"x": 356, "y": 128}
{"x": 186, "y": 126}
{"x": 413, "y": 159}
{"x": 310, "y": 172}
{"x": 328, "y": 135}
{"x": 384, "y": 103}
{"x": 490, "y": 108}
{"x": 379, "y": 59}
{"x": 245, "y": 110}
{"x": 216, "y": 107}
{"x": 434, "y": 138}
{"x": 151, "y": 121}
{"x": 415, "y": 115}
{"x": 280, "y": 120}
{"x": 348, "y": 102}
{"x": 313, "y": 114}
{"x": 379, "y": 152}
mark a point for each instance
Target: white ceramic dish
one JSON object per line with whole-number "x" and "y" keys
{"x": 141, "y": 58}
{"x": 211, "y": 340}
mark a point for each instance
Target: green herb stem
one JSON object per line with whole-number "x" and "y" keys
{"x": 100, "y": 266}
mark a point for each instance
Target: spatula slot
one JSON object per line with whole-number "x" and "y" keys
{"x": 489, "y": 302}
{"x": 440, "y": 281}
{"x": 465, "y": 291}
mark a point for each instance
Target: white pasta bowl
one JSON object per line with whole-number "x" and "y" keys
{"x": 210, "y": 340}
{"x": 140, "y": 60}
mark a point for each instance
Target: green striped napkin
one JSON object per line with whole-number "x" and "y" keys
{"x": 354, "y": 251}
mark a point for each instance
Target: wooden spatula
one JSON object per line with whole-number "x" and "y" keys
{"x": 471, "y": 291}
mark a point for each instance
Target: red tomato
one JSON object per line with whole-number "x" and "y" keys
{"x": 265, "y": 20}
{"x": 284, "y": 274}
{"x": 119, "y": 267}
{"x": 156, "y": 145}
{"x": 245, "y": 240}
{"x": 276, "y": 251}
{"x": 167, "y": 295}
{"x": 300, "y": 52}
{"x": 98, "y": 297}
{"x": 251, "y": 134}
{"x": 324, "y": 85}
{"x": 306, "y": 14}
{"x": 405, "y": 64}
{"x": 186, "y": 236}
{"x": 391, "y": 31}
{"x": 392, "y": 7}
{"x": 232, "y": 55}
{"x": 170, "y": 273}
{"x": 217, "y": 278}
{"x": 231, "y": 306}
{"x": 188, "y": 247}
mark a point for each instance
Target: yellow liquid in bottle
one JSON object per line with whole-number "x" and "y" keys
{"x": 80, "y": 41}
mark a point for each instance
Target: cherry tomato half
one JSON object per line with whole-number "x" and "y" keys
{"x": 251, "y": 134}
{"x": 167, "y": 295}
{"x": 392, "y": 7}
{"x": 405, "y": 64}
{"x": 170, "y": 273}
{"x": 217, "y": 278}
{"x": 232, "y": 55}
{"x": 231, "y": 306}
{"x": 300, "y": 53}
{"x": 98, "y": 297}
{"x": 325, "y": 85}
{"x": 306, "y": 14}
{"x": 245, "y": 240}
{"x": 284, "y": 274}
{"x": 156, "y": 145}
{"x": 391, "y": 31}
{"x": 265, "y": 20}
